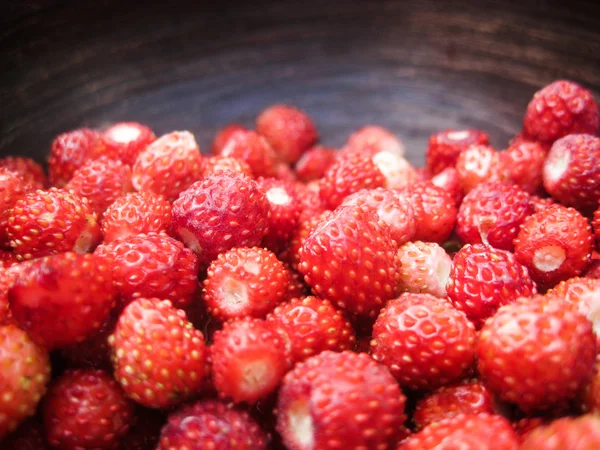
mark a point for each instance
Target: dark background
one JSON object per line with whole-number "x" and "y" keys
{"x": 413, "y": 66}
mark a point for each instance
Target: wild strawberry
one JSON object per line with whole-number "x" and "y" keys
{"x": 313, "y": 163}
{"x": 484, "y": 278}
{"x": 158, "y": 356}
{"x": 350, "y": 259}
{"x": 23, "y": 378}
{"x": 169, "y": 165}
{"x": 124, "y": 141}
{"x": 435, "y": 212}
{"x": 249, "y": 359}
{"x": 101, "y": 181}
{"x": 392, "y": 208}
{"x": 62, "y": 299}
{"x": 589, "y": 397}
{"x": 479, "y": 164}
{"x": 223, "y": 135}
{"x": 492, "y": 214}
{"x": 467, "y": 397}
{"x": 53, "y": 221}
{"x": 253, "y": 149}
{"x": 445, "y": 146}
{"x": 524, "y": 162}
{"x": 554, "y": 244}
{"x": 28, "y": 436}
{"x": 579, "y": 433}
{"x": 215, "y": 164}
{"x": 350, "y": 173}
{"x": 285, "y": 211}
{"x": 297, "y": 288}
{"x": 571, "y": 173}
{"x": 86, "y": 409}
{"x": 593, "y": 269}
{"x": 465, "y": 431}
{"x": 540, "y": 203}
{"x": 523, "y": 427}
{"x": 8, "y": 258}
{"x": 245, "y": 282}
{"x": 289, "y": 130}
{"x": 536, "y": 353}
{"x": 424, "y": 268}
{"x": 292, "y": 254}
{"x": 310, "y": 201}
{"x": 424, "y": 340}
{"x": 284, "y": 172}
{"x": 70, "y": 151}
{"x": 136, "y": 213}
{"x": 220, "y": 212}
{"x": 7, "y": 279}
{"x": 312, "y": 326}
{"x": 211, "y": 424}
{"x": 559, "y": 109}
{"x": 339, "y": 400}
{"x": 12, "y": 188}
{"x": 27, "y": 168}
{"x": 152, "y": 265}
{"x": 448, "y": 180}
{"x": 377, "y": 139}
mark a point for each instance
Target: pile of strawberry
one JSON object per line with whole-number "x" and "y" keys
{"x": 278, "y": 294}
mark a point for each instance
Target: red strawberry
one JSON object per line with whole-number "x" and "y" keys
{"x": 215, "y": 164}
{"x": 580, "y": 433}
{"x": 220, "y": 212}
{"x": 448, "y": 180}
{"x": 424, "y": 340}
{"x": 561, "y": 108}
{"x": 590, "y": 395}
{"x": 536, "y": 353}
{"x": 554, "y": 244}
{"x": 70, "y": 151}
{"x": 424, "y": 268}
{"x": 596, "y": 224}
{"x": 86, "y": 409}
{"x": 524, "y": 161}
{"x": 53, "y": 221}
{"x": 350, "y": 259}
{"x": 253, "y": 149}
{"x": 158, "y": 356}
{"x": 445, "y": 146}
{"x": 305, "y": 227}
{"x": 435, "y": 212}
{"x": 249, "y": 359}
{"x": 8, "y": 258}
{"x": 571, "y": 171}
{"x": 350, "y": 173}
{"x": 124, "y": 141}
{"x": 7, "y": 279}
{"x": 23, "y": 378}
{"x": 313, "y": 163}
{"x": 12, "y": 188}
{"x": 101, "y": 181}
{"x": 465, "y": 432}
{"x": 313, "y": 325}
{"x": 540, "y": 203}
{"x": 479, "y": 164}
{"x": 526, "y": 425}
{"x": 392, "y": 208}
{"x": 310, "y": 201}
{"x": 152, "y": 265}
{"x": 245, "y": 282}
{"x": 169, "y": 165}
{"x": 492, "y": 214}
{"x": 62, "y": 299}
{"x": 211, "y": 424}
{"x": 484, "y": 278}
{"x": 27, "y": 168}
{"x": 289, "y": 130}
{"x": 223, "y": 136}
{"x": 339, "y": 400}
{"x": 377, "y": 139}
{"x": 136, "y": 213}
{"x": 468, "y": 397}
{"x": 28, "y": 436}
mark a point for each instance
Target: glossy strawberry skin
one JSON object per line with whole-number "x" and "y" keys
{"x": 124, "y": 141}
{"x": 62, "y": 299}
{"x": 350, "y": 259}
{"x": 28, "y": 169}
{"x": 479, "y": 164}
{"x": 23, "y": 378}
{"x": 524, "y": 162}
{"x": 580, "y": 433}
{"x": 589, "y": 397}
{"x": 152, "y": 265}
{"x": 536, "y": 353}
{"x": 86, "y": 409}
{"x": 158, "y": 356}
{"x": 12, "y": 188}
{"x": 169, "y": 165}
{"x": 313, "y": 163}
{"x": 215, "y": 164}
{"x": 48, "y": 222}
{"x": 375, "y": 139}
{"x": 253, "y": 149}
{"x": 220, "y": 212}
{"x": 444, "y": 147}
{"x": 554, "y": 244}
{"x": 223, "y": 135}
{"x": 212, "y": 424}
{"x": 339, "y": 400}
{"x": 424, "y": 340}
{"x": 559, "y": 109}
